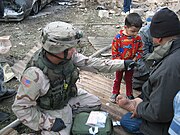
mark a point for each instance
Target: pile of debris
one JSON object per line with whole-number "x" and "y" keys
{"x": 143, "y": 7}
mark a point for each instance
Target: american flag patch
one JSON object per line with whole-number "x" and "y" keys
{"x": 26, "y": 82}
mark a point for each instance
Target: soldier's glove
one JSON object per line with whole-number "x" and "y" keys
{"x": 129, "y": 64}
{"x": 58, "y": 125}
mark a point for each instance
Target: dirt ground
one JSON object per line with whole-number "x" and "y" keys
{"x": 26, "y": 34}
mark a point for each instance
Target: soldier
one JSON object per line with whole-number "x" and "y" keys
{"x": 48, "y": 97}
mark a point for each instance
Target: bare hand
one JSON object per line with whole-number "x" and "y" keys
{"x": 125, "y": 103}
{"x": 137, "y": 102}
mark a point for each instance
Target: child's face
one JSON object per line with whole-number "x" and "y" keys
{"x": 131, "y": 31}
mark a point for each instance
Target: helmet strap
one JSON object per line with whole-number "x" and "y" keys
{"x": 65, "y": 55}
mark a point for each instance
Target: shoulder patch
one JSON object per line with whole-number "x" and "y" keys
{"x": 26, "y": 82}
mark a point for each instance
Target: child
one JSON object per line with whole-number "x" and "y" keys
{"x": 127, "y": 45}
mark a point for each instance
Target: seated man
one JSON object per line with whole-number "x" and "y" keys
{"x": 152, "y": 115}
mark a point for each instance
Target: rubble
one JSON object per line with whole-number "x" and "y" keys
{"x": 141, "y": 6}
{"x": 5, "y": 44}
{"x": 103, "y": 13}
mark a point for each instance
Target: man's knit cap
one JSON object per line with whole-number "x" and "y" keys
{"x": 165, "y": 23}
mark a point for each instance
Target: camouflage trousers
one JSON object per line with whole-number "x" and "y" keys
{"x": 83, "y": 102}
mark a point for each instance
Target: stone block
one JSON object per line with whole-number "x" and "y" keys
{"x": 140, "y": 11}
{"x": 103, "y": 13}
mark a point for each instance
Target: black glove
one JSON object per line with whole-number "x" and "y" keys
{"x": 129, "y": 64}
{"x": 58, "y": 125}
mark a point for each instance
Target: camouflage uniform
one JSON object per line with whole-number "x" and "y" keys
{"x": 35, "y": 84}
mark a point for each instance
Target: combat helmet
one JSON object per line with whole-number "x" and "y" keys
{"x": 58, "y": 36}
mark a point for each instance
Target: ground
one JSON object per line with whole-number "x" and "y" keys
{"x": 26, "y": 34}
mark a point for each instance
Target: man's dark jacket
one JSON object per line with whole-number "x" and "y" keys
{"x": 156, "y": 110}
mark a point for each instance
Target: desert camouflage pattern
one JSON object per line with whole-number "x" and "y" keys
{"x": 59, "y": 36}
{"x": 35, "y": 84}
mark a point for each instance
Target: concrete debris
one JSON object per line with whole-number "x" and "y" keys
{"x": 67, "y": 3}
{"x": 103, "y": 13}
{"x": 140, "y": 11}
{"x": 82, "y": 3}
{"x": 8, "y": 73}
{"x": 112, "y": 11}
{"x": 5, "y": 44}
{"x": 100, "y": 7}
{"x": 141, "y": 6}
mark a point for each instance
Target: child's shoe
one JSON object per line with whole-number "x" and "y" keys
{"x": 113, "y": 98}
{"x": 125, "y": 13}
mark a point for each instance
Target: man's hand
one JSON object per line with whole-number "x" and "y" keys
{"x": 129, "y": 64}
{"x": 58, "y": 125}
{"x": 137, "y": 102}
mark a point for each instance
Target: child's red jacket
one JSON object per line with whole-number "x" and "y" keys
{"x": 126, "y": 47}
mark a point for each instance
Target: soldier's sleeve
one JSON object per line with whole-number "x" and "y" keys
{"x": 97, "y": 64}
{"x": 33, "y": 84}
